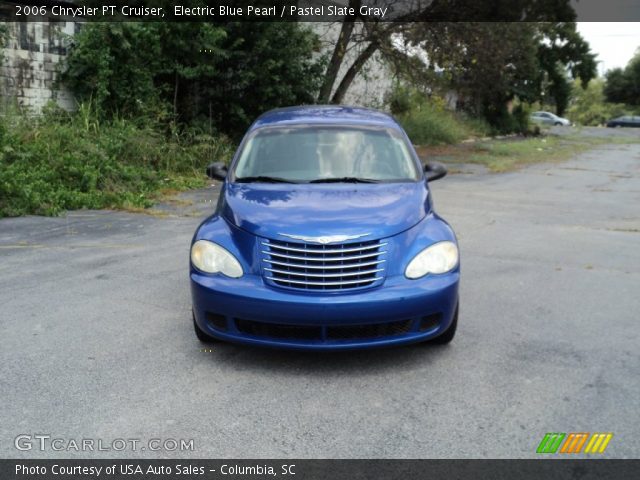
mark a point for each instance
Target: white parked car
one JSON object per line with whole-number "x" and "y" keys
{"x": 548, "y": 118}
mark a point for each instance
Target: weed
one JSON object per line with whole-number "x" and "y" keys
{"x": 63, "y": 161}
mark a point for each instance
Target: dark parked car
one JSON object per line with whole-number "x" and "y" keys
{"x": 625, "y": 121}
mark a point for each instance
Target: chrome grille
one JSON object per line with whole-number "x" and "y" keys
{"x": 310, "y": 266}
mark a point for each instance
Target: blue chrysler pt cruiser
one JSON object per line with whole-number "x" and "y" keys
{"x": 325, "y": 237}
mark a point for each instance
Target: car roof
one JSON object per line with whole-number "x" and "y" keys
{"x": 325, "y": 115}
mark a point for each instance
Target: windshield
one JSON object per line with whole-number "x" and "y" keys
{"x": 317, "y": 153}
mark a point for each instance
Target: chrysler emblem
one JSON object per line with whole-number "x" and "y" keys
{"x": 326, "y": 239}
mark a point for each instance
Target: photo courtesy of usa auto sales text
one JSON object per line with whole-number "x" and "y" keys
{"x": 137, "y": 469}
{"x": 120, "y": 469}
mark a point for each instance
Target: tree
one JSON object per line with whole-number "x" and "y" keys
{"x": 616, "y": 87}
{"x": 588, "y": 105}
{"x": 623, "y": 85}
{"x": 365, "y": 36}
{"x": 190, "y": 55}
{"x": 559, "y": 88}
{"x": 131, "y": 68}
{"x": 114, "y": 64}
{"x": 216, "y": 75}
{"x": 562, "y": 52}
{"x": 490, "y": 64}
{"x": 267, "y": 65}
{"x": 339, "y": 52}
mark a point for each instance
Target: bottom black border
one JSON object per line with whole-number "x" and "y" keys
{"x": 583, "y": 469}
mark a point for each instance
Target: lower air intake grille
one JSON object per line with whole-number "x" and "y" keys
{"x": 276, "y": 330}
{"x": 315, "y": 332}
{"x": 347, "y": 332}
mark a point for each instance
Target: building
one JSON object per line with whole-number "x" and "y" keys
{"x": 31, "y": 58}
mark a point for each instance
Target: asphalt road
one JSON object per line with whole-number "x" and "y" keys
{"x": 96, "y": 338}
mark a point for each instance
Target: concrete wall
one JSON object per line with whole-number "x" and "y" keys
{"x": 30, "y": 59}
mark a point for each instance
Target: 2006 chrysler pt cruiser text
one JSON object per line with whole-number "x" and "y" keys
{"x": 325, "y": 237}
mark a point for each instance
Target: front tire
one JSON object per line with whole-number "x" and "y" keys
{"x": 201, "y": 334}
{"x": 449, "y": 333}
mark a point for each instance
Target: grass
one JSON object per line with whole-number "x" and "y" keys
{"x": 70, "y": 161}
{"x": 429, "y": 124}
{"x": 501, "y": 156}
{"x": 507, "y": 155}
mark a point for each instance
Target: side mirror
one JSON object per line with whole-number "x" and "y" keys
{"x": 217, "y": 171}
{"x": 434, "y": 171}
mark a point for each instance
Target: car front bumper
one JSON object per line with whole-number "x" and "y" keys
{"x": 247, "y": 311}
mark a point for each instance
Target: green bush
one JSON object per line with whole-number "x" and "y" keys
{"x": 503, "y": 122}
{"x": 428, "y": 125}
{"x": 477, "y": 127}
{"x": 589, "y": 106}
{"x": 68, "y": 161}
{"x": 401, "y": 100}
{"x": 428, "y": 122}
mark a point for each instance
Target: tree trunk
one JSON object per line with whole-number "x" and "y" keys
{"x": 337, "y": 57}
{"x": 348, "y": 78}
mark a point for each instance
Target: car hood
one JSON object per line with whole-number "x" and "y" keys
{"x": 367, "y": 210}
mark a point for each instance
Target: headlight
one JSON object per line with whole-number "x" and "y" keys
{"x": 440, "y": 257}
{"x": 209, "y": 257}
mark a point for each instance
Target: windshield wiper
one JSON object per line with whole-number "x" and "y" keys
{"x": 264, "y": 179}
{"x": 345, "y": 180}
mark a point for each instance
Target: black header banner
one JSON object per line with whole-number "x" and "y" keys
{"x": 324, "y": 10}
